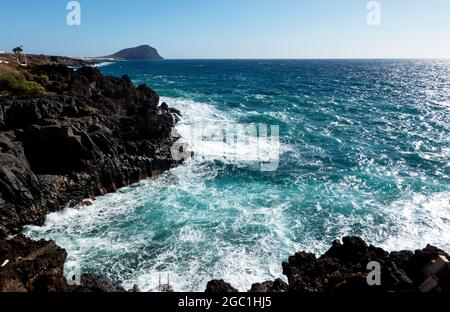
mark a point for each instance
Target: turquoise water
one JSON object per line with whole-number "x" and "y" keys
{"x": 364, "y": 149}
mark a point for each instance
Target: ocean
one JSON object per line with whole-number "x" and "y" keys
{"x": 363, "y": 148}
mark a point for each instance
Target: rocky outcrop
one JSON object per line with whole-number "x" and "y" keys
{"x": 344, "y": 268}
{"x": 31, "y": 266}
{"x": 38, "y": 266}
{"x": 87, "y": 136}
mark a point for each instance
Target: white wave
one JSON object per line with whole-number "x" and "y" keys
{"x": 190, "y": 234}
{"x": 102, "y": 64}
{"x": 260, "y": 96}
{"x": 408, "y": 224}
{"x": 421, "y": 220}
{"x": 214, "y": 135}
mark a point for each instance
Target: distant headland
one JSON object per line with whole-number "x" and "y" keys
{"x": 142, "y": 52}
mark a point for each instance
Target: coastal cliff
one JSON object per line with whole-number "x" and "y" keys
{"x": 66, "y": 137}
{"x": 81, "y": 136}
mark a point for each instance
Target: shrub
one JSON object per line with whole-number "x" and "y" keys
{"x": 42, "y": 80}
{"x": 16, "y": 82}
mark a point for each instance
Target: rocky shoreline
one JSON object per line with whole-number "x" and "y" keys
{"x": 78, "y": 135}
{"x": 41, "y": 59}
{"x": 38, "y": 266}
{"x": 81, "y": 135}
{"x": 344, "y": 269}
{"x": 87, "y": 135}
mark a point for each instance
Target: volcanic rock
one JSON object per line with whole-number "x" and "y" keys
{"x": 344, "y": 268}
{"x": 88, "y": 135}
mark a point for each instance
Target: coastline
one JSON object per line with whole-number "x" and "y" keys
{"x": 78, "y": 136}
{"x": 62, "y": 188}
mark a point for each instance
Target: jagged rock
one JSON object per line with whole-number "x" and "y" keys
{"x": 344, "y": 268}
{"x": 89, "y": 135}
{"x": 31, "y": 266}
{"x": 219, "y": 286}
{"x": 38, "y": 266}
{"x": 414, "y": 263}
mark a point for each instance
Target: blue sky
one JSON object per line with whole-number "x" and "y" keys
{"x": 230, "y": 28}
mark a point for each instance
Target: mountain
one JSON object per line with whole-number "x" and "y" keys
{"x": 143, "y": 52}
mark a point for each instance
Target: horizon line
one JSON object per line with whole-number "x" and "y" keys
{"x": 247, "y": 58}
{"x": 287, "y": 59}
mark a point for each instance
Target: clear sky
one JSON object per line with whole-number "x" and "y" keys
{"x": 231, "y": 28}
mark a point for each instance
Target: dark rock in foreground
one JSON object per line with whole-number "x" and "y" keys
{"x": 31, "y": 266}
{"x": 38, "y": 266}
{"x": 86, "y": 136}
{"x": 344, "y": 268}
